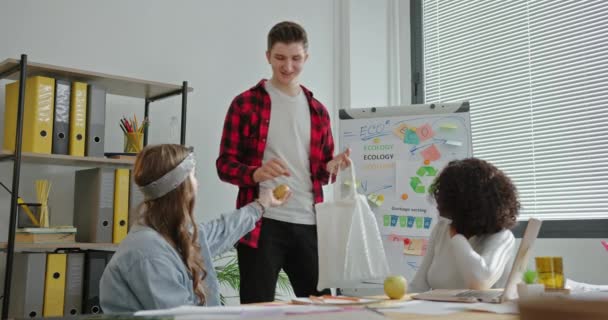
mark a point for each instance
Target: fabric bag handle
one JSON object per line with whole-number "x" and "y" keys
{"x": 334, "y": 174}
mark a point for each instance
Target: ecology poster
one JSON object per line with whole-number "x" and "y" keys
{"x": 396, "y": 159}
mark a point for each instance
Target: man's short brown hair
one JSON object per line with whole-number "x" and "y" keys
{"x": 287, "y": 32}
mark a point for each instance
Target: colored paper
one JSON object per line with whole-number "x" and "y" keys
{"x": 394, "y": 220}
{"x": 376, "y": 199}
{"x": 425, "y": 132}
{"x": 427, "y": 222}
{"x": 387, "y": 220}
{"x": 411, "y": 137}
{"x": 431, "y": 153}
{"x": 453, "y": 143}
{"x": 419, "y": 222}
{"x": 402, "y": 221}
{"x": 393, "y": 237}
{"x": 399, "y": 131}
{"x": 426, "y": 171}
{"x": 416, "y": 185}
{"x": 416, "y": 247}
{"x": 410, "y": 221}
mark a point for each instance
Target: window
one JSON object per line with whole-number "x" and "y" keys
{"x": 536, "y": 76}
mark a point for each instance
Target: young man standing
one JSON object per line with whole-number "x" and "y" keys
{"x": 278, "y": 133}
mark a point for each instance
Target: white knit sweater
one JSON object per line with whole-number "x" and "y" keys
{"x": 457, "y": 263}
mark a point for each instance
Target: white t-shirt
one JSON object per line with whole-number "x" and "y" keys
{"x": 457, "y": 263}
{"x": 289, "y": 140}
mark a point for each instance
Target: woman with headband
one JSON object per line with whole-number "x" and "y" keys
{"x": 166, "y": 259}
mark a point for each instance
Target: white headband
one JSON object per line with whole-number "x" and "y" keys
{"x": 170, "y": 180}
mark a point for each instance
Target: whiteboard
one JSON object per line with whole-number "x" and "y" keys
{"x": 397, "y": 152}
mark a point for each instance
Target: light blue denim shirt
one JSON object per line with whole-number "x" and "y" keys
{"x": 146, "y": 272}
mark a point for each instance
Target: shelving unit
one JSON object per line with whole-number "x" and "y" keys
{"x": 21, "y": 69}
{"x": 65, "y": 160}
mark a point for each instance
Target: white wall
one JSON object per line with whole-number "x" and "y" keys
{"x": 368, "y": 53}
{"x": 379, "y": 53}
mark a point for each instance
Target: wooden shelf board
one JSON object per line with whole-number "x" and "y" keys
{"x": 66, "y": 160}
{"x": 6, "y": 156}
{"x": 117, "y": 85}
{"x": 21, "y": 246}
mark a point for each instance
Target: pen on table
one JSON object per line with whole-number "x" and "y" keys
{"x": 374, "y": 310}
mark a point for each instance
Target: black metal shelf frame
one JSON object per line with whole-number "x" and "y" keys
{"x": 16, "y": 157}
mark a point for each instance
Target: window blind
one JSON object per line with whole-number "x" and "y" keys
{"x": 536, "y": 76}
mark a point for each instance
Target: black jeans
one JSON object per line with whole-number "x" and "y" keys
{"x": 290, "y": 246}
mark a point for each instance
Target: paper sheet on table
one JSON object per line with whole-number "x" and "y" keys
{"x": 295, "y": 313}
{"x": 575, "y": 286}
{"x": 504, "y": 308}
{"x": 430, "y": 307}
{"x": 587, "y": 291}
{"x": 335, "y": 302}
{"x": 322, "y": 313}
{"x": 251, "y": 310}
{"x": 359, "y": 314}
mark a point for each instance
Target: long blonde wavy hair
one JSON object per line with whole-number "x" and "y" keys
{"x": 172, "y": 215}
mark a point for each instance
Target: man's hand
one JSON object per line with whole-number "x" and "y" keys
{"x": 270, "y": 170}
{"x": 341, "y": 160}
{"x": 267, "y": 198}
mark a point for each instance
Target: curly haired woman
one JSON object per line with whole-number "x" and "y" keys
{"x": 471, "y": 247}
{"x": 166, "y": 259}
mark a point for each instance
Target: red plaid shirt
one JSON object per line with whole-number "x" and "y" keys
{"x": 244, "y": 140}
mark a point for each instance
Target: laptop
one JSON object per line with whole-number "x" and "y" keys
{"x": 492, "y": 295}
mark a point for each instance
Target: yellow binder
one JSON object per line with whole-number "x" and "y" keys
{"x": 78, "y": 119}
{"x": 54, "y": 285}
{"x": 38, "y": 110}
{"x": 121, "y": 205}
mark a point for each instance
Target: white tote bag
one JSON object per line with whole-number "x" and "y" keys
{"x": 350, "y": 246}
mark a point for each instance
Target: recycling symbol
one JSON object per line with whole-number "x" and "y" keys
{"x": 416, "y": 181}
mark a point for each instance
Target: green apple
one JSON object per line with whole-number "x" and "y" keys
{"x": 395, "y": 287}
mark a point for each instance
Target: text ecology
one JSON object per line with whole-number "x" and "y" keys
{"x": 378, "y": 152}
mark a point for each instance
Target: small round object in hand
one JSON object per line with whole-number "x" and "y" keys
{"x": 281, "y": 191}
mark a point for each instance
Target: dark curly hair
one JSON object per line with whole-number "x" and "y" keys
{"x": 478, "y": 197}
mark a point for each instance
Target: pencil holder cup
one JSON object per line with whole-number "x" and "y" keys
{"x": 134, "y": 142}
{"x": 550, "y": 272}
{"x": 24, "y": 220}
